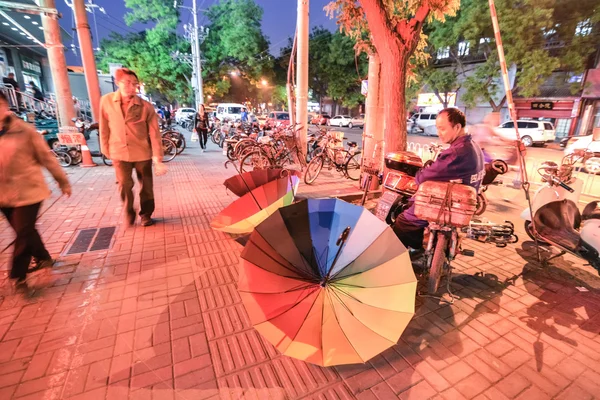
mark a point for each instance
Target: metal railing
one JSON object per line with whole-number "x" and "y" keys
{"x": 23, "y": 100}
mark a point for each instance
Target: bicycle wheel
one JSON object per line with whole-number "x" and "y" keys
{"x": 169, "y": 149}
{"x": 313, "y": 170}
{"x": 215, "y": 136}
{"x": 254, "y": 160}
{"x": 107, "y": 161}
{"x": 352, "y": 167}
{"x": 63, "y": 158}
{"x": 437, "y": 264}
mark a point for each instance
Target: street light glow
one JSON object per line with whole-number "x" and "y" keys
{"x": 264, "y": 82}
{"x": 233, "y": 73}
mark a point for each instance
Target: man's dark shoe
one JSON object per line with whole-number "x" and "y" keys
{"x": 146, "y": 220}
{"x": 41, "y": 264}
{"x": 130, "y": 219}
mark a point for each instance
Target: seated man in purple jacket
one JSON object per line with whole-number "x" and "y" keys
{"x": 461, "y": 163}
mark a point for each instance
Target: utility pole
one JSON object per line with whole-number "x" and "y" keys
{"x": 196, "y": 37}
{"x": 196, "y": 45}
{"x": 302, "y": 75}
{"x": 87, "y": 56}
{"x": 58, "y": 65}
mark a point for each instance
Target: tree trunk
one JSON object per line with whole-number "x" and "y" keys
{"x": 393, "y": 69}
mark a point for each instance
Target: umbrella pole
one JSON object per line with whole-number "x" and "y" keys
{"x": 340, "y": 243}
{"x": 243, "y": 180}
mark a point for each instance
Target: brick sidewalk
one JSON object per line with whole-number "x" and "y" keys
{"x": 158, "y": 315}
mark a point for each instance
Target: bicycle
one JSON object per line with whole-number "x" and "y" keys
{"x": 169, "y": 149}
{"x": 176, "y": 137}
{"x": 347, "y": 162}
{"x": 63, "y": 158}
{"x": 276, "y": 154}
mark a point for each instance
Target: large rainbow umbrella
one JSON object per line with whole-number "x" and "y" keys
{"x": 245, "y": 182}
{"x": 251, "y": 209}
{"x": 327, "y": 282}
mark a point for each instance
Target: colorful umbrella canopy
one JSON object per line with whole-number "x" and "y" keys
{"x": 327, "y": 282}
{"x": 251, "y": 209}
{"x": 243, "y": 183}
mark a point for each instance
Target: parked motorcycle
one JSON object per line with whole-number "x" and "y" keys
{"x": 557, "y": 220}
{"x": 447, "y": 207}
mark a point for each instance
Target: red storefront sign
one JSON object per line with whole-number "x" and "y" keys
{"x": 546, "y": 108}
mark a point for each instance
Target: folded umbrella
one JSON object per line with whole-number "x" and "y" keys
{"x": 247, "y": 181}
{"x": 251, "y": 209}
{"x": 327, "y": 282}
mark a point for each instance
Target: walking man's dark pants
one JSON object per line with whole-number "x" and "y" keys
{"x": 143, "y": 171}
{"x": 28, "y": 242}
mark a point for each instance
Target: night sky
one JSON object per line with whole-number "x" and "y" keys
{"x": 279, "y": 20}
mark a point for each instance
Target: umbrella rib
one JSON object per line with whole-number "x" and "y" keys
{"x": 362, "y": 323}
{"x": 295, "y": 289}
{"x": 289, "y": 309}
{"x": 361, "y": 302}
{"x": 334, "y": 276}
{"x": 305, "y": 318}
{"x": 306, "y": 277}
{"x": 309, "y": 278}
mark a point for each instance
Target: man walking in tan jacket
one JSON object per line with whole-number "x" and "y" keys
{"x": 130, "y": 137}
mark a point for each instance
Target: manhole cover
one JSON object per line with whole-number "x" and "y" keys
{"x": 92, "y": 240}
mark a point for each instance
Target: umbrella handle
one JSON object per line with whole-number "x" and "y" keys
{"x": 340, "y": 243}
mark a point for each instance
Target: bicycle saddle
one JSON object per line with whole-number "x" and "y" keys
{"x": 352, "y": 144}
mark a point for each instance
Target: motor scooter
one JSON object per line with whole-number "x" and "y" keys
{"x": 557, "y": 220}
{"x": 448, "y": 209}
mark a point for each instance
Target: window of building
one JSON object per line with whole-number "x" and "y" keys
{"x": 443, "y": 53}
{"x": 463, "y": 49}
{"x": 575, "y": 78}
{"x": 583, "y": 28}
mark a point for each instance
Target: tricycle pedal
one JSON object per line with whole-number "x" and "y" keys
{"x": 468, "y": 253}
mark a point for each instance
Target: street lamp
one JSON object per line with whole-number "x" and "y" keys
{"x": 233, "y": 73}
{"x": 264, "y": 82}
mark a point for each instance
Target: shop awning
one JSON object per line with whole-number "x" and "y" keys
{"x": 591, "y": 89}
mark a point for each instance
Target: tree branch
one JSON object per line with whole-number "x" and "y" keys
{"x": 377, "y": 18}
{"x": 407, "y": 29}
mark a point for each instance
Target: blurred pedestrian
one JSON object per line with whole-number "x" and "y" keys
{"x": 201, "y": 124}
{"x": 22, "y": 190}
{"x": 37, "y": 93}
{"x": 10, "y": 80}
{"x": 130, "y": 137}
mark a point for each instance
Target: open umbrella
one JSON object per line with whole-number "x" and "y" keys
{"x": 327, "y": 282}
{"x": 243, "y": 183}
{"x": 251, "y": 209}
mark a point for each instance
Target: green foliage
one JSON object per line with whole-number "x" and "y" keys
{"x": 161, "y": 13}
{"x": 153, "y": 64}
{"x": 236, "y": 43}
{"x": 279, "y": 98}
{"x": 526, "y": 27}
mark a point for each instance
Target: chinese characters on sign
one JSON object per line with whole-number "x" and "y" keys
{"x": 70, "y": 136}
{"x": 542, "y": 105}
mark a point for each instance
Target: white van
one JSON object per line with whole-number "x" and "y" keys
{"x": 230, "y": 111}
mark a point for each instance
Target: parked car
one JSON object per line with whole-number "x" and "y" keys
{"x": 421, "y": 121}
{"x": 184, "y": 113}
{"x": 358, "y": 121}
{"x": 591, "y": 165}
{"x": 532, "y": 132}
{"x": 320, "y": 119}
{"x": 230, "y": 111}
{"x": 276, "y": 118}
{"x": 340, "y": 120}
